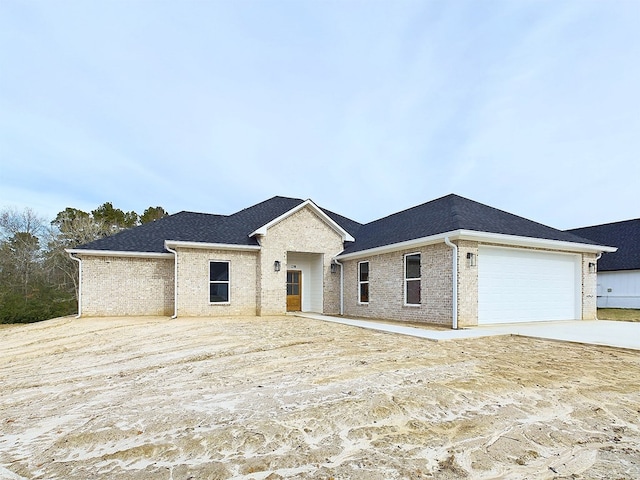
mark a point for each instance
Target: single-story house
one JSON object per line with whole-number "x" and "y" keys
{"x": 451, "y": 261}
{"x": 618, "y": 284}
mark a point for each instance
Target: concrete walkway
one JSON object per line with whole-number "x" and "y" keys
{"x": 590, "y": 332}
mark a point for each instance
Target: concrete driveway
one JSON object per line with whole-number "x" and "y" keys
{"x": 591, "y": 332}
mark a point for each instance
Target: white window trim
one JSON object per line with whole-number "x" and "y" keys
{"x": 405, "y": 280}
{"x": 360, "y": 282}
{"x": 228, "y": 282}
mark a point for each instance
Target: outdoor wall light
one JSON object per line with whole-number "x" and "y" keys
{"x": 471, "y": 259}
{"x": 592, "y": 267}
{"x": 334, "y": 267}
{"x": 276, "y": 266}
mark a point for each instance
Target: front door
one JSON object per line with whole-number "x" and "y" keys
{"x": 294, "y": 290}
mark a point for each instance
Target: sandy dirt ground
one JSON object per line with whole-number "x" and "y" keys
{"x": 286, "y": 397}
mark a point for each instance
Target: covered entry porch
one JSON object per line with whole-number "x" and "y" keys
{"x": 304, "y": 284}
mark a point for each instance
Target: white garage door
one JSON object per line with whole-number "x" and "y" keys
{"x": 527, "y": 286}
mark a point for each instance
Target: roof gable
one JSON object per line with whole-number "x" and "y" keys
{"x": 262, "y": 230}
{"x": 624, "y": 235}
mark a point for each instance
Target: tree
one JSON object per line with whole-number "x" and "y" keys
{"x": 152, "y": 214}
{"x": 20, "y": 255}
{"x": 75, "y": 227}
{"x": 38, "y": 279}
{"x": 71, "y": 228}
{"x": 114, "y": 218}
{"x": 22, "y": 276}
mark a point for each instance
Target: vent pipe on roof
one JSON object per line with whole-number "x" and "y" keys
{"x": 455, "y": 281}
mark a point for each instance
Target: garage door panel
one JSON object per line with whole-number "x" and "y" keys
{"x": 517, "y": 285}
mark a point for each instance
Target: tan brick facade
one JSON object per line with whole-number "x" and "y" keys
{"x": 467, "y": 284}
{"x": 119, "y": 286}
{"x": 589, "y": 288}
{"x": 386, "y": 286}
{"x": 304, "y": 231}
{"x": 131, "y": 285}
{"x": 193, "y": 282}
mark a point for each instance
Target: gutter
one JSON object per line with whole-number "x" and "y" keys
{"x": 79, "y": 260}
{"x": 455, "y": 281}
{"x": 117, "y": 253}
{"x": 175, "y": 281}
{"x": 484, "y": 237}
{"x": 597, "y": 258}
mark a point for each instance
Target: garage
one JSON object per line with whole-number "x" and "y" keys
{"x": 518, "y": 285}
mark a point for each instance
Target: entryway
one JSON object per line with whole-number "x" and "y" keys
{"x": 305, "y": 282}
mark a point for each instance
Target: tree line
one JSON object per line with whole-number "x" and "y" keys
{"x": 38, "y": 279}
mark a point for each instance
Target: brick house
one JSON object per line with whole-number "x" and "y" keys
{"x": 451, "y": 261}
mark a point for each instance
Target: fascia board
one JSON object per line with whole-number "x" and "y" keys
{"x": 480, "y": 237}
{"x": 532, "y": 242}
{"x": 209, "y": 246}
{"x": 116, "y": 253}
{"x": 394, "y": 247}
{"x": 346, "y": 237}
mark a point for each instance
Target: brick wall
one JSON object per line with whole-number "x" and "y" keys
{"x": 193, "y": 282}
{"x": 305, "y": 232}
{"x": 386, "y": 286}
{"x": 467, "y": 284}
{"x": 120, "y": 286}
{"x": 589, "y": 288}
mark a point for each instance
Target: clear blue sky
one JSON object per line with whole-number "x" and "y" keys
{"x": 366, "y": 107}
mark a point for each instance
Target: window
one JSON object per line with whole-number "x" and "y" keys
{"x": 293, "y": 282}
{"x": 218, "y": 282}
{"x": 363, "y": 282}
{"x": 412, "y": 279}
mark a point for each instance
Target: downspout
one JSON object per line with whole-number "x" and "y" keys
{"x": 175, "y": 281}
{"x": 597, "y": 258}
{"x": 341, "y": 286}
{"x": 455, "y": 281}
{"x": 79, "y": 260}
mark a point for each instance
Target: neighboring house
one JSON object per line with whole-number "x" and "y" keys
{"x": 619, "y": 272}
{"x": 450, "y": 261}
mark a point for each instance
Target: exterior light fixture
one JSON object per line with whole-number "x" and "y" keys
{"x": 276, "y": 266}
{"x": 592, "y": 267}
{"x": 334, "y": 267}
{"x": 471, "y": 259}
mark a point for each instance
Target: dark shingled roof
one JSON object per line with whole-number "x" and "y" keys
{"x": 624, "y": 235}
{"x": 202, "y": 227}
{"x": 447, "y": 214}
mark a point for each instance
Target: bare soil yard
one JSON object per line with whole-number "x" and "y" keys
{"x": 286, "y": 397}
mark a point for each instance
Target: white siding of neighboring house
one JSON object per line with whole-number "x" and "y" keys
{"x": 620, "y": 289}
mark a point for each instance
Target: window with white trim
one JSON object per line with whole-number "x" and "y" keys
{"x": 218, "y": 282}
{"x": 363, "y": 282}
{"x": 412, "y": 279}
